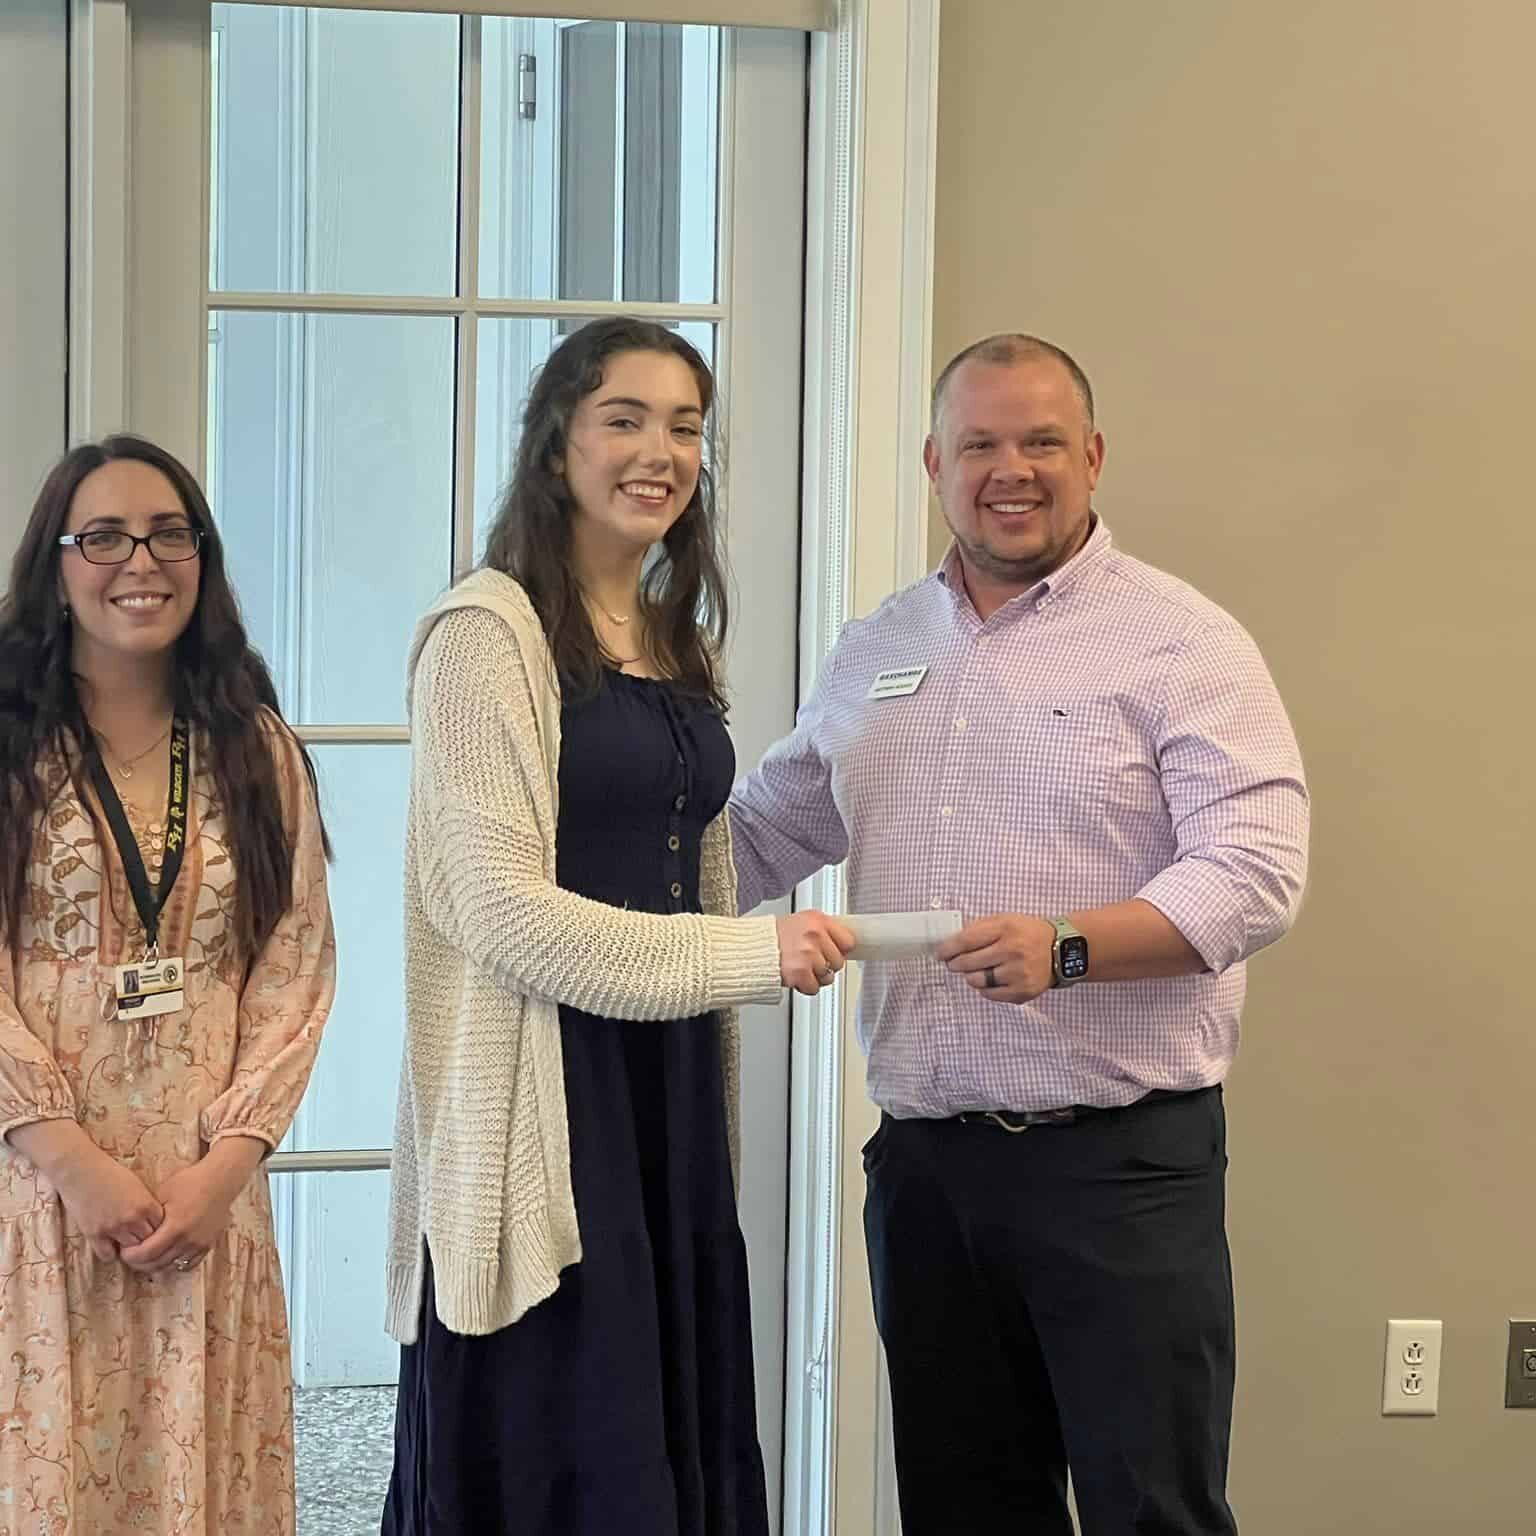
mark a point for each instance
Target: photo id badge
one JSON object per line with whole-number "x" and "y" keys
{"x": 150, "y": 988}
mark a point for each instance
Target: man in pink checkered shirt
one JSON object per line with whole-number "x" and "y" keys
{"x": 1088, "y": 759}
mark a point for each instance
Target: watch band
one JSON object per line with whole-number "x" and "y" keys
{"x": 1069, "y": 954}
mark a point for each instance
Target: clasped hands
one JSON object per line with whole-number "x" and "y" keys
{"x": 172, "y": 1227}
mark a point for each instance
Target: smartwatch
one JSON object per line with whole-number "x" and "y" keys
{"x": 1069, "y": 954}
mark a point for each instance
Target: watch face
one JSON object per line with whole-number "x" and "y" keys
{"x": 1073, "y": 954}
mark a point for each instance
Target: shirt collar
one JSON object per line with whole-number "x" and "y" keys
{"x": 1060, "y": 580}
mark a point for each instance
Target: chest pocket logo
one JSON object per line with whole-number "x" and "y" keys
{"x": 1072, "y": 750}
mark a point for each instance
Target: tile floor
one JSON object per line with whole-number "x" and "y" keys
{"x": 344, "y": 1443}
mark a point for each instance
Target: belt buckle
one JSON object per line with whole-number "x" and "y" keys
{"x": 1008, "y": 1125}
{"x": 1028, "y": 1119}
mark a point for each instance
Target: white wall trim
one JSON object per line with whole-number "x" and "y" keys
{"x": 99, "y": 95}
{"x": 870, "y": 195}
{"x": 164, "y": 226}
{"x": 914, "y": 336}
{"x": 35, "y": 214}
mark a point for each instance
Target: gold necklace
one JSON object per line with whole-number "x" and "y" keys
{"x": 124, "y": 766}
{"x": 613, "y": 618}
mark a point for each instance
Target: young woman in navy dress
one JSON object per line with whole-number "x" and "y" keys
{"x": 623, "y": 1399}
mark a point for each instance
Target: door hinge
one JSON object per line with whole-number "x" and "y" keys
{"x": 527, "y": 85}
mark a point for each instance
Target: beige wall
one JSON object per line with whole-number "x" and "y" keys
{"x": 1295, "y": 247}
{"x": 33, "y": 120}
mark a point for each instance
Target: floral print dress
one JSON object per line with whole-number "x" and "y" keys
{"x": 152, "y": 1403}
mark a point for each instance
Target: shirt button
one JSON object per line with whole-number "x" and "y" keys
{"x": 960, "y": 723}
{"x": 673, "y": 844}
{"x": 680, "y": 802}
{"x": 948, "y": 810}
{"x": 677, "y": 890}
{"x": 935, "y": 903}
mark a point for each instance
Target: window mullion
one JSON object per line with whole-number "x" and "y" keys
{"x": 620, "y": 169}
{"x": 352, "y": 735}
{"x": 722, "y": 166}
{"x": 469, "y": 296}
{"x": 283, "y": 301}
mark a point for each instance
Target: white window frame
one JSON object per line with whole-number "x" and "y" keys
{"x": 869, "y": 305}
{"x": 873, "y": 108}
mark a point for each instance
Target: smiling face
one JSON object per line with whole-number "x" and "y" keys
{"x": 634, "y": 449}
{"x": 139, "y": 609}
{"x": 1014, "y": 462}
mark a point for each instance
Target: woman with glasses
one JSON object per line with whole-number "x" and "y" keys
{"x": 167, "y": 966}
{"x": 566, "y": 1268}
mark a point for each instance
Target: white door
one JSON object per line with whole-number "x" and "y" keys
{"x": 403, "y": 213}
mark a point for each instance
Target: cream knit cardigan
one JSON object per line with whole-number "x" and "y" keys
{"x": 492, "y": 948}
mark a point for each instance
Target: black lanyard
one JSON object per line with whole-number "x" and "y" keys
{"x": 150, "y": 903}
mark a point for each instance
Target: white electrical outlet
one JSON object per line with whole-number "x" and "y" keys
{"x": 1410, "y": 1375}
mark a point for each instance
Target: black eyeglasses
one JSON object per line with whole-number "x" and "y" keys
{"x": 111, "y": 546}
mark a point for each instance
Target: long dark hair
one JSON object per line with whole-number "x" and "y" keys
{"x": 683, "y": 593}
{"x": 223, "y": 686}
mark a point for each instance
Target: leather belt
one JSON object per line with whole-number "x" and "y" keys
{"x": 1016, "y": 1120}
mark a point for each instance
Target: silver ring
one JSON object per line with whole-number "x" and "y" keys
{"x": 989, "y": 977}
{"x": 824, "y": 978}
{"x": 183, "y": 1263}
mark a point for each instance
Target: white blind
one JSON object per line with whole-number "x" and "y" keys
{"x": 803, "y": 15}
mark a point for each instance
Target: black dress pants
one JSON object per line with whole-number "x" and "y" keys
{"x": 1051, "y": 1298}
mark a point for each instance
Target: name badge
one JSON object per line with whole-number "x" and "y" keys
{"x": 150, "y": 988}
{"x": 898, "y": 683}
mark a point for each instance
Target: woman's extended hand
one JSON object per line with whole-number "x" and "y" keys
{"x": 813, "y": 948}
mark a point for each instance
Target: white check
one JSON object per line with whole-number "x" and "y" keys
{"x": 898, "y": 935}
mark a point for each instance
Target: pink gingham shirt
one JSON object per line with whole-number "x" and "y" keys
{"x": 1108, "y": 734}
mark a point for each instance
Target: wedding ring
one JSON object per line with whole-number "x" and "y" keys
{"x": 989, "y": 976}
{"x": 183, "y": 1263}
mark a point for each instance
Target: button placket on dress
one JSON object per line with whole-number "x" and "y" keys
{"x": 672, "y": 858}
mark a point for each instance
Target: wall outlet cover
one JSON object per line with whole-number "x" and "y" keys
{"x": 1410, "y": 1373}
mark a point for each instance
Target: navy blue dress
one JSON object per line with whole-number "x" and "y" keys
{"x": 624, "y": 1402}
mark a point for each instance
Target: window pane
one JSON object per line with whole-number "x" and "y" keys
{"x": 510, "y": 351}
{"x": 333, "y": 442}
{"x": 331, "y": 1230}
{"x": 336, "y": 142}
{"x": 331, "y": 1226}
{"x": 351, "y": 1098}
{"x": 598, "y": 161}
